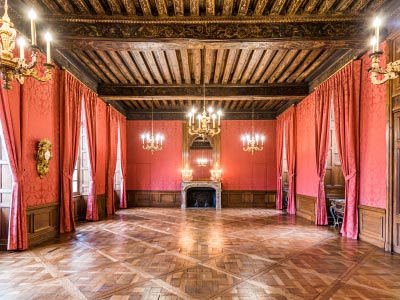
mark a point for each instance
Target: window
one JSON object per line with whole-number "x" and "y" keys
{"x": 118, "y": 172}
{"x": 81, "y": 176}
{"x": 5, "y": 174}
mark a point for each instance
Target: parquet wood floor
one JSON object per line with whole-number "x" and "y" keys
{"x": 241, "y": 254}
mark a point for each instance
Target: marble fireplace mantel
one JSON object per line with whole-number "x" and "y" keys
{"x": 209, "y": 184}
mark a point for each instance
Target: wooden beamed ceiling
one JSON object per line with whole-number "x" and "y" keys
{"x": 240, "y": 55}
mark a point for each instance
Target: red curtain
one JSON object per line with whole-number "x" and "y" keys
{"x": 90, "y": 102}
{"x": 290, "y": 142}
{"x": 122, "y": 134}
{"x": 346, "y": 102}
{"x": 71, "y": 107}
{"x": 321, "y": 133}
{"x": 279, "y": 161}
{"x": 112, "y": 141}
{"x": 12, "y": 129}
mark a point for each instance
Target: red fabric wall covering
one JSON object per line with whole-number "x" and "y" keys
{"x": 241, "y": 170}
{"x": 372, "y": 138}
{"x": 101, "y": 132}
{"x": 40, "y": 120}
{"x": 306, "y": 170}
{"x": 160, "y": 171}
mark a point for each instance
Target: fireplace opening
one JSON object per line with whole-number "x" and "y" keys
{"x": 201, "y": 197}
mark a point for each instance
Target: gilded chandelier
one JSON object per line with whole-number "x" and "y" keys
{"x": 150, "y": 142}
{"x": 253, "y": 142}
{"x": 208, "y": 123}
{"x": 392, "y": 69}
{"x": 18, "y": 67}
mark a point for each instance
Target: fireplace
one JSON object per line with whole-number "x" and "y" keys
{"x": 200, "y": 197}
{"x": 205, "y": 193}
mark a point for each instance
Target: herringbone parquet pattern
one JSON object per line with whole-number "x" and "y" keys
{"x": 166, "y": 254}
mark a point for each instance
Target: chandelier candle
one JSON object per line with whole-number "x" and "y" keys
{"x": 32, "y": 15}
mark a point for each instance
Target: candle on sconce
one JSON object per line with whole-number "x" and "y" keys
{"x": 377, "y": 23}
{"x": 48, "y": 40}
{"x": 32, "y": 15}
{"x": 373, "y": 43}
{"x": 21, "y": 43}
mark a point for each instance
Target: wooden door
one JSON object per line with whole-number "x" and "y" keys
{"x": 396, "y": 183}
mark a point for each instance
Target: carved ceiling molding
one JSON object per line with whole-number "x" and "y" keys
{"x": 195, "y": 92}
{"x": 223, "y": 31}
{"x": 202, "y": 20}
{"x": 278, "y": 44}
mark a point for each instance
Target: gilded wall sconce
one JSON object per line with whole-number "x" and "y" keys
{"x": 43, "y": 157}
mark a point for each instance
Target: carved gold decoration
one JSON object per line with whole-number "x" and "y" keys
{"x": 379, "y": 75}
{"x": 18, "y": 67}
{"x": 43, "y": 157}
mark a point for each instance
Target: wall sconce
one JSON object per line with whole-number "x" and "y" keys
{"x": 43, "y": 157}
{"x": 187, "y": 174}
{"x": 216, "y": 173}
{"x": 392, "y": 68}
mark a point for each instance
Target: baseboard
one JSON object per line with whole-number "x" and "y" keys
{"x": 42, "y": 222}
{"x": 372, "y": 225}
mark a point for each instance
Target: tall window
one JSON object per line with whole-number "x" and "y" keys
{"x": 118, "y": 172}
{"x": 81, "y": 176}
{"x": 5, "y": 191}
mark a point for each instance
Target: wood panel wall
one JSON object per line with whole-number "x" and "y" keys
{"x": 230, "y": 199}
{"x": 4, "y": 219}
{"x": 80, "y": 205}
{"x": 372, "y": 225}
{"x": 153, "y": 198}
{"x": 305, "y": 207}
{"x": 248, "y": 199}
{"x": 43, "y": 222}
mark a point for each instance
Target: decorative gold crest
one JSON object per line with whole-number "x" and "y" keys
{"x": 43, "y": 156}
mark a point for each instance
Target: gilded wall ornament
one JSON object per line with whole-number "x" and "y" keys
{"x": 43, "y": 157}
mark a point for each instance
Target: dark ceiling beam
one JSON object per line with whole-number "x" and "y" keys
{"x": 75, "y": 69}
{"x": 180, "y": 115}
{"x": 341, "y": 31}
{"x": 211, "y": 92}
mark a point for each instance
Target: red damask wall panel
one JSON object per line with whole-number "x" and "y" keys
{"x": 101, "y": 132}
{"x": 41, "y": 106}
{"x": 306, "y": 170}
{"x": 160, "y": 171}
{"x": 372, "y": 138}
{"x": 241, "y": 170}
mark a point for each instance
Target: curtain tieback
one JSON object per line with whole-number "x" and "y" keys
{"x": 292, "y": 175}
{"x": 350, "y": 176}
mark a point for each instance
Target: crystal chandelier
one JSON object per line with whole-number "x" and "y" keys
{"x": 208, "y": 123}
{"x": 187, "y": 174}
{"x": 18, "y": 67}
{"x": 392, "y": 69}
{"x": 253, "y": 142}
{"x": 150, "y": 142}
{"x": 216, "y": 173}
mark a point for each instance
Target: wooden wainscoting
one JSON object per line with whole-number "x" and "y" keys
{"x": 372, "y": 225}
{"x": 261, "y": 199}
{"x": 153, "y": 198}
{"x": 4, "y": 218}
{"x": 305, "y": 207}
{"x": 80, "y": 206}
{"x": 43, "y": 222}
{"x": 101, "y": 205}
